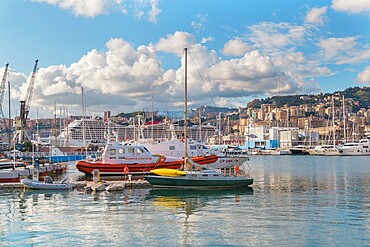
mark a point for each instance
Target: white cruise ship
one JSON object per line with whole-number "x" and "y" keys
{"x": 95, "y": 131}
{"x": 92, "y": 131}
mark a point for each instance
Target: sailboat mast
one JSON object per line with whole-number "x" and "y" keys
{"x": 333, "y": 117}
{"x": 344, "y": 121}
{"x": 186, "y": 108}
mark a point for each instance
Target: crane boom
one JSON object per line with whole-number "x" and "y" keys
{"x": 21, "y": 123}
{"x": 2, "y": 86}
{"x": 29, "y": 93}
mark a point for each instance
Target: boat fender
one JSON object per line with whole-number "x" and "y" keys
{"x": 126, "y": 170}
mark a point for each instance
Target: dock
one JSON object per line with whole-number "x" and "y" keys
{"x": 80, "y": 185}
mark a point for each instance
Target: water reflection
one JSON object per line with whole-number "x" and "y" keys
{"x": 190, "y": 201}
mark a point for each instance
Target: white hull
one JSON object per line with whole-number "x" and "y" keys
{"x": 361, "y": 148}
{"x": 32, "y": 184}
{"x": 175, "y": 148}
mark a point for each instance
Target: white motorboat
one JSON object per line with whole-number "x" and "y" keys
{"x": 327, "y": 150}
{"x": 355, "y": 148}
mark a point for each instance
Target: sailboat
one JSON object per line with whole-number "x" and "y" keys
{"x": 194, "y": 176}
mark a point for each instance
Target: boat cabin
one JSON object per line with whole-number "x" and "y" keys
{"x": 116, "y": 153}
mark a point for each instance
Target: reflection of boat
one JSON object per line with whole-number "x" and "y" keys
{"x": 121, "y": 159}
{"x": 201, "y": 178}
{"x": 185, "y": 193}
{"x": 48, "y": 184}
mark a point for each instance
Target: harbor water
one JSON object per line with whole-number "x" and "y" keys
{"x": 294, "y": 201}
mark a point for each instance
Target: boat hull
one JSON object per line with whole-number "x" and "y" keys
{"x": 135, "y": 169}
{"x": 186, "y": 182}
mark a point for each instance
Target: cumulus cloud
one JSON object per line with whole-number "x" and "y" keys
{"x": 235, "y": 47}
{"x": 124, "y": 78}
{"x": 358, "y": 6}
{"x": 316, "y": 15}
{"x": 92, "y": 8}
{"x": 175, "y": 43}
{"x": 364, "y": 76}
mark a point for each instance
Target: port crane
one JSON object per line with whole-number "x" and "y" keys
{"x": 2, "y": 90}
{"x": 20, "y": 123}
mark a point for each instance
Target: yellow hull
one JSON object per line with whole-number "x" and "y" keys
{"x": 168, "y": 172}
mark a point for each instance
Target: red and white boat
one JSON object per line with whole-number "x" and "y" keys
{"x": 175, "y": 148}
{"x": 121, "y": 159}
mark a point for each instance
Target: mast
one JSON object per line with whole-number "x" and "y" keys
{"x": 152, "y": 118}
{"x": 332, "y": 99}
{"x": 344, "y": 121}
{"x": 55, "y": 124}
{"x": 186, "y": 108}
{"x": 10, "y": 121}
{"x": 83, "y": 121}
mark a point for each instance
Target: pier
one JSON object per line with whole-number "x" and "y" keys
{"x": 80, "y": 185}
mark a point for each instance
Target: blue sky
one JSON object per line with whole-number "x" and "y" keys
{"x": 126, "y": 54}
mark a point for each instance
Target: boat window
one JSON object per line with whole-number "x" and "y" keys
{"x": 146, "y": 149}
{"x": 139, "y": 150}
{"x": 172, "y": 147}
{"x": 112, "y": 151}
{"x": 112, "y": 158}
{"x": 121, "y": 151}
{"x": 193, "y": 147}
{"x": 130, "y": 150}
{"x": 205, "y": 175}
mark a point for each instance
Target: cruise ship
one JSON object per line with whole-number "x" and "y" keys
{"x": 85, "y": 132}
{"x": 97, "y": 132}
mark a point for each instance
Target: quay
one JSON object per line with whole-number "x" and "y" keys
{"x": 80, "y": 185}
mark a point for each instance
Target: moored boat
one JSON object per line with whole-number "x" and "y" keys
{"x": 47, "y": 184}
{"x": 355, "y": 148}
{"x": 195, "y": 176}
{"x": 203, "y": 179}
{"x": 175, "y": 148}
{"x": 121, "y": 159}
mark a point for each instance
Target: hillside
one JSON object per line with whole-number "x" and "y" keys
{"x": 362, "y": 95}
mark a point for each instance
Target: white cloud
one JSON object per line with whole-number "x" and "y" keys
{"x": 205, "y": 40}
{"x": 316, "y": 15}
{"x": 123, "y": 78}
{"x": 345, "y": 50}
{"x": 364, "y": 76}
{"x": 356, "y": 6}
{"x": 271, "y": 36}
{"x": 235, "y": 47}
{"x": 175, "y": 43}
{"x": 92, "y": 8}
{"x": 198, "y": 24}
